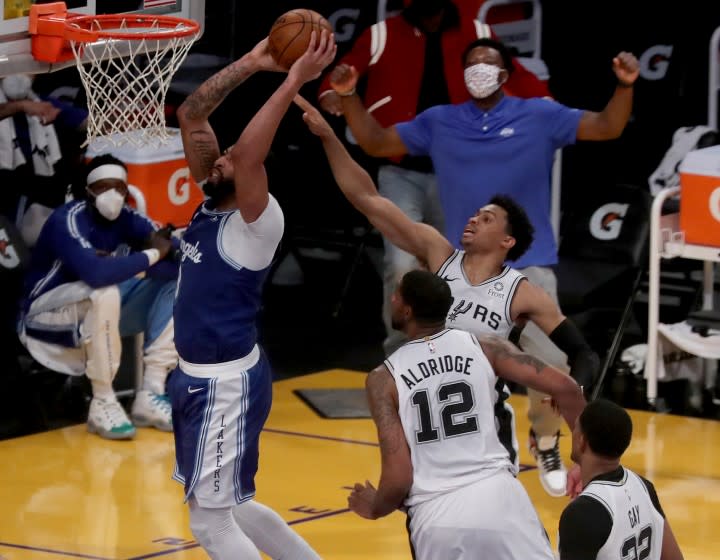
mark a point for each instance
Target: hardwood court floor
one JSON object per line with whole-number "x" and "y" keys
{"x": 69, "y": 494}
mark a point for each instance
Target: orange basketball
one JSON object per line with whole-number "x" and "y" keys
{"x": 290, "y": 35}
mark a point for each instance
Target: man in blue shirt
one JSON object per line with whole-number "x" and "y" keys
{"x": 83, "y": 291}
{"x": 498, "y": 144}
{"x": 222, "y": 389}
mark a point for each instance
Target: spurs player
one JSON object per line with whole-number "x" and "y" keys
{"x": 618, "y": 513}
{"x": 489, "y": 298}
{"x": 432, "y": 401}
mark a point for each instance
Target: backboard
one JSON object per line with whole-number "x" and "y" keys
{"x": 15, "y": 51}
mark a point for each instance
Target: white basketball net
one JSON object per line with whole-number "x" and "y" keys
{"x": 126, "y": 82}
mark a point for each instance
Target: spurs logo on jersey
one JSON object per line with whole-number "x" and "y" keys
{"x": 637, "y": 527}
{"x": 482, "y": 308}
{"x": 446, "y": 390}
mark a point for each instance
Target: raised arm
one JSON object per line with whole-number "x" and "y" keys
{"x": 199, "y": 140}
{"x": 418, "y": 239}
{"x": 611, "y": 121}
{"x": 397, "y": 474}
{"x": 510, "y": 363}
{"x": 535, "y": 304}
{"x": 359, "y": 57}
{"x": 370, "y": 135}
{"x": 249, "y": 152}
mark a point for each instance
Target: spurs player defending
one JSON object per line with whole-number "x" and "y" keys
{"x": 433, "y": 404}
{"x": 488, "y": 297}
{"x": 618, "y": 513}
{"x": 222, "y": 389}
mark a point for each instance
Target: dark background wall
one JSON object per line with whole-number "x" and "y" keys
{"x": 579, "y": 42}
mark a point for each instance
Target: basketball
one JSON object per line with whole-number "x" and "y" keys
{"x": 290, "y": 35}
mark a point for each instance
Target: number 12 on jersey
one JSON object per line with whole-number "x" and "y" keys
{"x": 454, "y": 399}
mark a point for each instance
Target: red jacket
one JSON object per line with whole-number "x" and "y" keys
{"x": 392, "y": 53}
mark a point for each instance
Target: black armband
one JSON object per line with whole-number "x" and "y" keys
{"x": 583, "y": 361}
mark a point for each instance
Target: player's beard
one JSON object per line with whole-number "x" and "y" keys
{"x": 218, "y": 192}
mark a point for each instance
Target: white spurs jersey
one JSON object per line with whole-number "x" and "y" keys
{"x": 447, "y": 393}
{"x": 637, "y": 526}
{"x": 483, "y": 308}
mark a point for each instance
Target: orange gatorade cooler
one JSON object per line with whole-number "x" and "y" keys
{"x": 158, "y": 179}
{"x": 700, "y": 196}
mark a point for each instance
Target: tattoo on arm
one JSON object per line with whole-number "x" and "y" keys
{"x": 205, "y": 146}
{"x": 203, "y": 101}
{"x": 384, "y": 411}
{"x": 506, "y": 350}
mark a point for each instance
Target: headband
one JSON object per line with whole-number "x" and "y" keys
{"x": 107, "y": 171}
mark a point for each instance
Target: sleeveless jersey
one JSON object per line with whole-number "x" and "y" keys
{"x": 637, "y": 527}
{"x": 446, "y": 390}
{"x": 224, "y": 265}
{"x": 483, "y": 308}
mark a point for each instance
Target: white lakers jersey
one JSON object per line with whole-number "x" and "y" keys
{"x": 446, "y": 390}
{"x": 637, "y": 527}
{"x": 483, "y": 308}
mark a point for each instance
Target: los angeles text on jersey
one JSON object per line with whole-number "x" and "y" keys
{"x": 191, "y": 251}
{"x": 436, "y": 366}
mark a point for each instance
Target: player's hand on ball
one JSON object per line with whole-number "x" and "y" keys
{"x": 361, "y": 500}
{"x": 313, "y": 119}
{"x": 626, "y": 68}
{"x": 343, "y": 79}
{"x": 261, "y": 56}
{"x": 330, "y": 103}
{"x": 320, "y": 53}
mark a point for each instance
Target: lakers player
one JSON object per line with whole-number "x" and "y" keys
{"x": 222, "y": 389}
{"x": 488, "y": 297}
{"x": 618, "y": 513}
{"x": 432, "y": 401}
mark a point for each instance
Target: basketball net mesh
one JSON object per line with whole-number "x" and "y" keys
{"x": 126, "y": 82}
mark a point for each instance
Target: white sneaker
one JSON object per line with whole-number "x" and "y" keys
{"x": 553, "y": 474}
{"x": 151, "y": 409}
{"x": 107, "y": 419}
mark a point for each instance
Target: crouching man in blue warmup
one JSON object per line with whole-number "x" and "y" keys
{"x": 83, "y": 292}
{"x": 222, "y": 389}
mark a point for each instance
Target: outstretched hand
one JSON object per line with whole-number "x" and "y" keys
{"x": 626, "y": 68}
{"x": 263, "y": 59}
{"x": 313, "y": 119}
{"x": 320, "y": 53}
{"x": 343, "y": 79}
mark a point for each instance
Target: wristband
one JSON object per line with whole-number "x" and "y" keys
{"x": 347, "y": 93}
{"x": 153, "y": 255}
{"x": 624, "y": 85}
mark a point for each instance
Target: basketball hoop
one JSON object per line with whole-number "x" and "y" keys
{"x": 126, "y": 63}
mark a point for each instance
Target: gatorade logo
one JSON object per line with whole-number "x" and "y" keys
{"x": 179, "y": 186}
{"x": 606, "y": 221}
{"x": 715, "y": 204}
{"x": 654, "y": 62}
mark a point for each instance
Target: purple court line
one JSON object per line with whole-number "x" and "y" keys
{"x": 315, "y": 436}
{"x": 52, "y": 551}
{"x": 196, "y": 545}
{"x": 523, "y": 468}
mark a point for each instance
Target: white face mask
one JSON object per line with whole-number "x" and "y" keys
{"x": 481, "y": 79}
{"x": 110, "y": 203}
{"x": 17, "y": 86}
